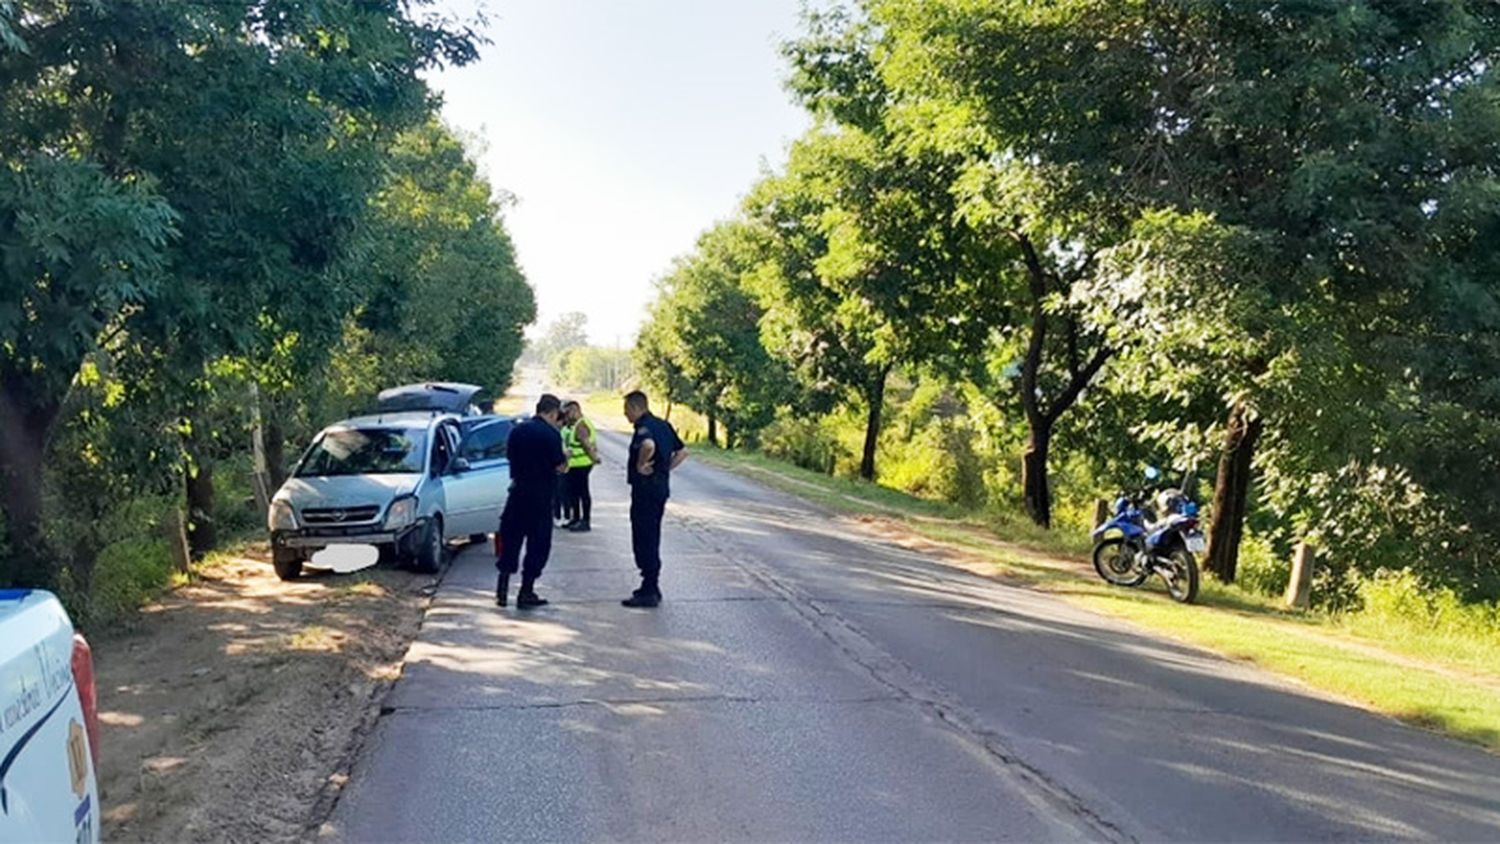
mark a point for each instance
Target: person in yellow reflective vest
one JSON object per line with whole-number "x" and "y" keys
{"x": 583, "y": 454}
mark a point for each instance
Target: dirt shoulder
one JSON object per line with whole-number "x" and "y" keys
{"x": 230, "y": 707}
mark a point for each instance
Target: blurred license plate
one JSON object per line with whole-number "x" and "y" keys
{"x": 1197, "y": 544}
{"x": 346, "y": 559}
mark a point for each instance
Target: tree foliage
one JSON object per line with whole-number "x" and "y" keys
{"x": 200, "y": 198}
{"x": 1250, "y": 235}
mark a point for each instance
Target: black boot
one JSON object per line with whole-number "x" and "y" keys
{"x": 646, "y": 597}
{"x": 580, "y": 526}
{"x": 527, "y": 598}
{"x": 502, "y": 589}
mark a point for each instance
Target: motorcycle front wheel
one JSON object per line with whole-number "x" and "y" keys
{"x": 1181, "y": 576}
{"x": 1115, "y": 562}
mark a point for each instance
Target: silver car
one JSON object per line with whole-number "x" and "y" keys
{"x": 405, "y": 482}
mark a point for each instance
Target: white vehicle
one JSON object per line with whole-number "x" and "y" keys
{"x": 405, "y": 482}
{"x": 49, "y": 723}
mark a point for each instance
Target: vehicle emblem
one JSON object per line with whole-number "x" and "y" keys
{"x": 339, "y": 515}
{"x": 78, "y": 759}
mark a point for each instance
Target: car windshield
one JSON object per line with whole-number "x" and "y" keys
{"x": 365, "y": 451}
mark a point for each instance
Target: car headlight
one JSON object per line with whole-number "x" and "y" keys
{"x": 402, "y": 513}
{"x": 281, "y": 516}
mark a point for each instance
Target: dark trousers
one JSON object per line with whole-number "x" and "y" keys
{"x": 562, "y": 505}
{"x": 580, "y": 500}
{"x": 648, "y": 503}
{"x": 526, "y": 522}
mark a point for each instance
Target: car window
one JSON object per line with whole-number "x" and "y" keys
{"x": 442, "y": 448}
{"x": 364, "y": 451}
{"x": 486, "y": 440}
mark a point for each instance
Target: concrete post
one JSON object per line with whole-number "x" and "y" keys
{"x": 1299, "y": 588}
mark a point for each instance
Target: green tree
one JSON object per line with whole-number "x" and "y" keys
{"x": 1315, "y": 132}
{"x": 262, "y": 126}
{"x": 445, "y": 298}
{"x": 950, "y": 243}
{"x": 709, "y": 324}
{"x": 656, "y": 356}
{"x": 569, "y": 331}
{"x": 81, "y": 252}
{"x": 869, "y": 266}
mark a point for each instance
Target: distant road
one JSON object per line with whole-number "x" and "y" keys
{"x": 803, "y": 681}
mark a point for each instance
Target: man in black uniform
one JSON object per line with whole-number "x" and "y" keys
{"x": 535, "y": 450}
{"x": 655, "y": 451}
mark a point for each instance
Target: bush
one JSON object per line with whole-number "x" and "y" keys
{"x": 1402, "y": 598}
{"x": 939, "y": 462}
{"x": 131, "y": 566}
{"x": 1261, "y": 569}
{"x": 127, "y": 574}
{"x": 802, "y": 441}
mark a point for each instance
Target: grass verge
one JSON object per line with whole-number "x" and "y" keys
{"x": 1428, "y": 678}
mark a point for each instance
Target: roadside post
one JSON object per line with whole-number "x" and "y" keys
{"x": 175, "y": 527}
{"x": 1299, "y": 588}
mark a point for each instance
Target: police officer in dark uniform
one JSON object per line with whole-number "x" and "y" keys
{"x": 535, "y": 450}
{"x": 655, "y": 450}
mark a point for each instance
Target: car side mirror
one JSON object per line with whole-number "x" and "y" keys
{"x": 459, "y": 465}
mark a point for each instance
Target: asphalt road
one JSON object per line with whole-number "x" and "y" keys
{"x": 805, "y": 681}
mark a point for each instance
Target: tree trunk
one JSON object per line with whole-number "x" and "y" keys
{"x": 1035, "y": 489}
{"x": 25, "y": 427}
{"x": 21, "y": 496}
{"x": 1232, "y": 492}
{"x": 175, "y": 529}
{"x": 275, "y": 438}
{"x": 200, "y": 506}
{"x": 270, "y": 438}
{"x": 1042, "y": 415}
{"x": 876, "y": 399}
{"x": 713, "y": 429}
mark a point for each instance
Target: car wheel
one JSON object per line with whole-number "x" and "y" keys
{"x": 287, "y": 562}
{"x": 430, "y": 548}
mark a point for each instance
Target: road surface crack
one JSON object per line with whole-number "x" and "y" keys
{"x": 910, "y": 687}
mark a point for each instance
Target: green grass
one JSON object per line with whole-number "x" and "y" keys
{"x": 1418, "y": 666}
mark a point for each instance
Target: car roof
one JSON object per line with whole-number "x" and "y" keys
{"x": 415, "y": 419}
{"x": 408, "y": 419}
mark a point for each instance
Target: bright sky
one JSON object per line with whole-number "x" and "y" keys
{"x": 624, "y": 128}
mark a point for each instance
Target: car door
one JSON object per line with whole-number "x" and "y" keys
{"x": 477, "y": 486}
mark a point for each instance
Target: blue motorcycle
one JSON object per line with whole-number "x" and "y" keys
{"x": 1135, "y": 544}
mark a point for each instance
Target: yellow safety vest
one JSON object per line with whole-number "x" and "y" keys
{"x": 578, "y": 456}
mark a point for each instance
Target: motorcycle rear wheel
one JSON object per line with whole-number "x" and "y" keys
{"x": 1115, "y": 563}
{"x": 1182, "y": 583}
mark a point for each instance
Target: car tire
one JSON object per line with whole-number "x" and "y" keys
{"x": 430, "y": 548}
{"x": 287, "y": 562}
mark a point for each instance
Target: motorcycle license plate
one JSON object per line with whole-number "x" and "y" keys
{"x": 1197, "y": 544}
